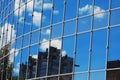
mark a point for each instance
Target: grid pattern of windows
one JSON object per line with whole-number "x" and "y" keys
{"x": 59, "y": 39}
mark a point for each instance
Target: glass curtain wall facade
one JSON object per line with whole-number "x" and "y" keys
{"x": 59, "y": 39}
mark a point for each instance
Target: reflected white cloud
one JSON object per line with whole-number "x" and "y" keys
{"x": 64, "y": 53}
{"x": 13, "y": 52}
{"x": 54, "y": 43}
{"x": 16, "y": 69}
{"x": 8, "y": 31}
{"x": 88, "y": 9}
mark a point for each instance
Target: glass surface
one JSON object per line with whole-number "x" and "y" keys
{"x": 114, "y": 51}
{"x": 42, "y": 59}
{"x": 45, "y": 34}
{"x": 52, "y": 78}
{"x": 100, "y": 20}
{"x": 113, "y": 74}
{"x": 82, "y": 52}
{"x": 46, "y": 15}
{"x": 115, "y": 4}
{"x": 66, "y": 77}
{"x": 70, "y": 11}
{"x": 1, "y": 68}
{"x": 35, "y": 37}
{"x": 16, "y": 64}
{"x": 98, "y": 56}
{"x": 84, "y": 24}
{"x": 58, "y": 11}
{"x": 69, "y": 27}
{"x": 54, "y": 57}
{"x": 85, "y": 7}
{"x": 23, "y": 64}
{"x": 83, "y": 76}
{"x": 32, "y": 61}
{"x": 67, "y": 55}
{"x": 18, "y": 43}
{"x": 97, "y": 76}
{"x": 57, "y": 31}
{"x": 26, "y": 40}
{"x": 101, "y": 6}
{"x": 114, "y": 15}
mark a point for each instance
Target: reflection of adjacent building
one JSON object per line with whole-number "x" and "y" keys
{"x": 53, "y": 65}
{"x": 113, "y": 74}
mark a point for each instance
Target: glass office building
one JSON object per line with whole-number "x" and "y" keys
{"x": 59, "y": 39}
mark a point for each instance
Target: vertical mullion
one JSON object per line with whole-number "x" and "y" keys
{"x": 3, "y": 45}
{"x": 17, "y": 24}
{"x": 12, "y": 31}
{"x": 39, "y": 37}
{"x": 30, "y": 36}
{"x": 63, "y": 19}
{"x": 51, "y": 21}
{"x": 91, "y": 40}
{"x": 108, "y": 37}
{"x": 7, "y": 36}
{"x": 75, "y": 43}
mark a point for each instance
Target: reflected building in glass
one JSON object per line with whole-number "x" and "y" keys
{"x": 59, "y": 40}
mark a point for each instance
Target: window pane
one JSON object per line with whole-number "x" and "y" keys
{"x": 98, "y": 57}
{"x": 81, "y": 76}
{"x": 84, "y": 24}
{"x": 26, "y": 40}
{"x": 114, "y": 15}
{"x": 18, "y": 43}
{"x": 114, "y": 50}
{"x": 16, "y": 64}
{"x": 85, "y": 7}
{"x": 57, "y": 31}
{"x": 32, "y": 60}
{"x": 69, "y": 27}
{"x": 67, "y": 77}
{"x": 45, "y": 34}
{"x": 35, "y": 37}
{"x": 82, "y": 52}
{"x": 115, "y": 4}
{"x": 113, "y": 75}
{"x": 58, "y": 11}
{"x": 42, "y": 59}
{"x": 23, "y": 64}
{"x": 71, "y": 9}
{"x": 46, "y": 15}
{"x": 53, "y": 78}
{"x": 67, "y": 55}
{"x": 100, "y": 20}
{"x": 54, "y": 57}
{"x": 97, "y": 76}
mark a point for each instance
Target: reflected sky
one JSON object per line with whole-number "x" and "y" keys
{"x": 38, "y": 24}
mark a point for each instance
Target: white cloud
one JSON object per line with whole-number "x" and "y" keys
{"x": 64, "y": 53}
{"x": 37, "y": 18}
{"x": 98, "y": 10}
{"x": 47, "y": 5}
{"x": 54, "y": 43}
{"x": 88, "y": 9}
{"x": 13, "y": 52}
{"x": 8, "y": 31}
{"x": 35, "y": 56}
{"x": 16, "y": 69}
{"x": 17, "y": 2}
{"x": 47, "y": 32}
{"x": 56, "y": 12}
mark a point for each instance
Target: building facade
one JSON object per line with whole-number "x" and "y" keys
{"x": 59, "y": 39}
